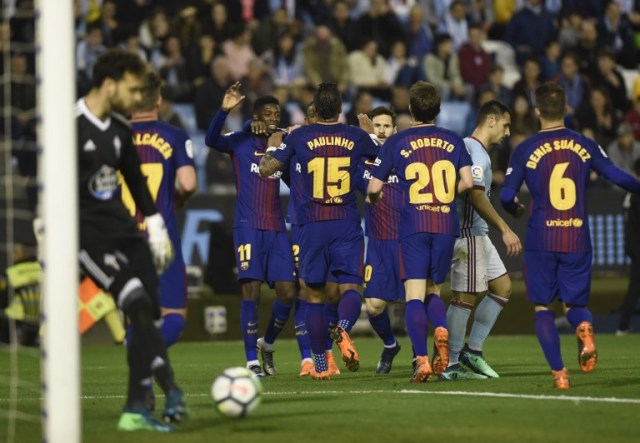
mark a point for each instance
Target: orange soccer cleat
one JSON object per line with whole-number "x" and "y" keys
{"x": 422, "y": 371}
{"x": 306, "y": 366}
{"x": 331, "y": 362}
{"x": 440, "y": 350}
{"x": 561, "y": 378}
{"x": 350, "y": 356}
{"x": 587, "y": 355}
{"x": 324, "y": 375}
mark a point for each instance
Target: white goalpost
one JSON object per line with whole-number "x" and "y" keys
{"x": 59, "y": 211}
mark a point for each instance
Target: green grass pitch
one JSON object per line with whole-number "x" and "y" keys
{"x": 521, "y": 406}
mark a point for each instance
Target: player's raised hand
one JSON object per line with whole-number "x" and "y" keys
{"x": 159, "y": 242}
{"x": 365, "y": 123}
{"x": 259, "y": 127}
{"x": 232, "y": 97}
{"x": 275, "y": 139}
{"x": 512, "y": 242}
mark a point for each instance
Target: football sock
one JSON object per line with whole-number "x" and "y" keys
{"x": 382, "y": 325}
{"x": 171, "y": 329}
{"x": 279, "y": 316}
{"x": 436, "y": 310}
{"x": 578, "y": 314}
{"x": 349, "y": 309}
{"x": 331, "y": 313}
{"x": 301, "y": 328}
{"x": 316, "y": 321}
{"x": 457, "y": 318}
{"x": 485, "y": 317}
{"x": 249, "y": 324}
{"x": 416, "y": 321}
{"x": 549, "y": 339}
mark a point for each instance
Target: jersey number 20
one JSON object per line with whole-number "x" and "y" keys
{"x": 443, "y": 174}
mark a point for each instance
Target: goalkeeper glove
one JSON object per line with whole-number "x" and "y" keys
{"x": 159, "y": 242}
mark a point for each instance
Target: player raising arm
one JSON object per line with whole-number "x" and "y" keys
{"x": 428, "y": 160}
{"x": 555, "y": 164}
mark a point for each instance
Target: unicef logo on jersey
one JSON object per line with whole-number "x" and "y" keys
{"x": 103, "y": 184}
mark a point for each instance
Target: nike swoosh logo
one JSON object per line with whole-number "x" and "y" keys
{"x": 369, "y": 162}
{"x": 258, "y": 153}
{"x": 250, "y": 324}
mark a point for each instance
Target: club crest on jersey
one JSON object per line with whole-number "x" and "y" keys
{"x": 476, "y": 172}
{"x": 244, "y": 265}
{"x": 103, "y": 184}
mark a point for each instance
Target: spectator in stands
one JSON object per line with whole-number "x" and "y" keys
{"x": 403, "y": 121}
{"x": 597, "y": 113}
{"x": 609, "y": 77}
{"x": 529, "y": 29}
{"x": 442, "y": 69}
{"x": 400, "y": 99}
{"x": 217, "y": 23}
{"x": 569, "y": 34}
{"x": 266, "y": 35}
{"x": 471, "y": 121}
{"x": 87, "y": 52}
{"x": 523, "y": 120}
{"x": 504, "y": 10}
{"x": 550, "y": 61}
{"x": 615, "y": 31}
{"x": 381, "y": 24}
{"x": 111, "y": 29}
{"x": 247, "y": 12}
{"x": 529, "y": 81}
{"x": 285, "y": 61}
{"x": 257, "y": 83}
{"x": 172, "y": 68}
{"x": 475, "y": 62}
{"x": 624, "y": 150}
{"x": 155, "y": 29}
{"x": 212, "y": 91}
{"x": 342, "y": 25}
{"x": 500, "y": 156}
{"x": 589, "y": 9}
{"x": 402, "y": 70}
{"x": 576, "y": 85}
{"x": 239, "y": 52}
{"x": 401, "y": 8}
{"x": 362, "y": 103}
{"x": 188, "y": 28}
{"x": 633, "y": 117}
{"x": 325, "y": 59}
{"x": 419, "y": 35}
{"x": 481, "y": 13}
{"x": 132, "y": 44}
{"x": 496, "y": 84}
{"x": 588, "y": 47}
{"x": 455, "y": 24}
{"x": 199, "y": 60}
{"x": 368, "y": 70}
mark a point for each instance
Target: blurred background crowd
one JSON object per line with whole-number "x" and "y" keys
{"x": 474, "y": 50}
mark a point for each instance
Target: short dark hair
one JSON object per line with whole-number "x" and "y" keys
{"x": 151, "y": 91}
{"x": 114, "y": 63}
{"x": 492, "y": 107}
{"x": 328, "y": 101}
{"x": 263, "y": 101}
{"x": 551, "y": 101}
{"x": 383, "y": 110}
{"x": 424, "y": 99}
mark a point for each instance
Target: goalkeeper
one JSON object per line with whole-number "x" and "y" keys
{"x": 113, "y": 252}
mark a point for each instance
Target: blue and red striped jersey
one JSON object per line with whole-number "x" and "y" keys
{"x": 382, "y": 220}
{"x": 257, "y": 198}
{"x": 328, "y": 155}
{"x": 427, "y": 159}
{"x": 555, "y": 165}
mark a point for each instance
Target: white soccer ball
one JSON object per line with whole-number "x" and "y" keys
{"x": 236, "y": 392}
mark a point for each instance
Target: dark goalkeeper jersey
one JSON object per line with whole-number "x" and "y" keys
{"x": 105, "y": 147}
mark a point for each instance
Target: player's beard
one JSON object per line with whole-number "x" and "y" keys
{"x": 119, "y": 107}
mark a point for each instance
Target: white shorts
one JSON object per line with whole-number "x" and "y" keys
{"x": 475, "y": 263}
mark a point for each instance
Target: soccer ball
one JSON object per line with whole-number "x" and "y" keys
{"x": 236, "y": 392}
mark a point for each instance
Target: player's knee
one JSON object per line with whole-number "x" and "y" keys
{"x": 172, "y": 326}
{"x": 134, "y": 299}
{"x": 286, "y": 292}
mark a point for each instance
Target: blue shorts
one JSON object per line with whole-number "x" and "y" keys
{"x": 551, "y": 275}
{"x": 173, "y": 285}
{"x": 333, "y": 248}
{"x": 295, "y": 246}
{"x": 382, "y": 271}
{"x": 263, "y": 255}
{"x": 425, "y": 255}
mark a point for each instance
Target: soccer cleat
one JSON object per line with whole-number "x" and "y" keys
{"x": 175, "y": 409}
{"x": 267, "y": 358}
{"x": 350, "y": 356}
{"x": 459, "y": 372}
{"x": 587, "y": 355}
{"x": 423, "y": 370}
{"x": 257, "y": 370}
{"x": 306, "y": 366}
{"x": 440, "y": 350}
{"x": 324, "y": 375}
{"x": 561, "y": 378}
{"x": 386, "y": 359}
{"x": 141, "y": 420}
{"x": 331, "y": 362}
{"x": 476, "y": 362}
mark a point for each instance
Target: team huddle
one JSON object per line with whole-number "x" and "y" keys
{"x": 427, "y": 215}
